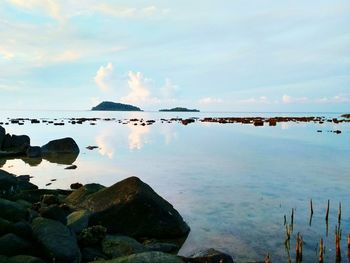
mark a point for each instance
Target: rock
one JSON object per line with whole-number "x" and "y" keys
{"x": 187, "y": 121}
{"x": 60, "y": 146}
{"x": 17, "y": 144}
{"x": 25, "y": 185}
{"x": 58, "y": 241}
{"x": 49, "y": 199}
{"x": 8, "y": 181}
{"x": 12, "y": 211}
{"x": 72, "y": 167}
{"x": 146, "y": 257}
{"x": 25, "y": 259}
{"x": 5, "y": 227}
{"x": 119, "y": 246}
{"x": 258, "y": 123}
{"x": 162, "y": 247}
{"x": 34, "y": 196}
{"x": 91, "y": 147}
{"x": 92, "y": 236}
{"x": 78, "y": 220}
{"x": 75, "y": 186}
{"x": 209, "y": 255}
{"x": 77, "y": 197}
{"x": 140, "y": 211}
{"x": 54, "y": 212}
{"x": 11, "y": 245}
{"x": 34, "y": 152}
{"x": 91, "y": 254}
{"x": 22, "y": 229}
{"x": 2, "y": 136}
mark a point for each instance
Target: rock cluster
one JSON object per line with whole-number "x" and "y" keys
{"x": 126, "y": 222}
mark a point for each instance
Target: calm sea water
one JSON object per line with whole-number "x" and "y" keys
{"x": 232, "y": 183}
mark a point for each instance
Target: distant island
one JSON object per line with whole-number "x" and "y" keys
{"x": 180, "y": 109}
{"x": 113, "y": 106}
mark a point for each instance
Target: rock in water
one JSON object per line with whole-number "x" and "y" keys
{"x": 209, "y": 255}
{"x": 8, "y": 181}
{"x": 58, "y": 241}
{"x": 132, "y": 208}
{"x": 2, "y": 136}
{"x": 65, "y": 145}
{"x": 15, "y": 144}
{"x": 154, "y": 257}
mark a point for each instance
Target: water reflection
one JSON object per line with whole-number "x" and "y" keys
{"x": 137, "y": 136}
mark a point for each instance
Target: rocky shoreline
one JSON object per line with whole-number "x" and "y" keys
{"x": 126, "y": 222}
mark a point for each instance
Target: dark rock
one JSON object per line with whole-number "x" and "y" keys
{"x": 119, "y": 246}
{"x": 258, "y": 123}
{"x": 25, "y": 185}
{"x": 145, "y": 257}
{"x": 2, "y": 136}
{"x": 50, "y": 199}
{"x": 5, "y": 226}
{"x": 140, "y": 211}
{"x": 25, "y": 178}
{"x": 22, "y": 229}
{"x": 25, "y": 259}
{"x": 16, "y": 143}
{"x": 91, "y": 147}
{"x": 161, "y": 247}
{"x": 60, "y": 146}
{"x": 91, "y": 254}
{"x": 34, "y": 152}
{"x": 8, "y": 182}
{"x": 75, "y": 186}
{"x": 72, "y": 167}
{"x": 66, "y": 158}
{"x": 58, "y": 241}
{"x": 12, "y": 211}
{"x": 209, "y": 255}
{"x": 11, "y": 245}
{"x": 78, "y": 220}
{"x": 187, "y": 121}
{"x": 34, "y": 196}
{"x": 337, "y": 131}
{"x": 54, "y": 212}
{"x": 92, "y": 236}
{"x": 77, "y": 197}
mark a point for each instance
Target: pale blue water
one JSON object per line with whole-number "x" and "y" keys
{"x": 232, "y": 183}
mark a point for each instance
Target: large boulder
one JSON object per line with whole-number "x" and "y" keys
{"x": 11, "y": 245}
{"x": 60, "y": 146}
{"x": 119, "y": 246}
{"x": 78, "y": 196}
{"x": 12, "y": 211}
{"x": 25, "y": 259}
{"x": 151, "y": 257}
{"x": 15, "y": 144}
{"x": 8, "y": 182}
{"x": 132, "y": 208}
{"x": 58, "y": 242}
{"x": 78, "y": 220}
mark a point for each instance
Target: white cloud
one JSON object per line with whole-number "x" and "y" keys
{"x": 103, "y": 77}
{"x": 169, "y": 90}
{"x": 334, "y": 99}
{"x": 289, "y": 99}
{"x": 253, "y": 100}
{"x": 210, "y": 101}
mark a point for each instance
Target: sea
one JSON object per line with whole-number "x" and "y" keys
{"x": 234, "y": 184}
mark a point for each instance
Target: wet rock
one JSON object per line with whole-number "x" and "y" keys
{"x": 91, "y": 147}
{"x": 154, "y": 257}
{"x": 209, "y": 255}
{"x": 187, "y": 121}
{"x": 258, "y": 123}
{"x": 60, "y": 146}
{"x": 11, "y": 245}
{"x": 141, "y": 212}
{"x": 34, "y": 152}
{"x": 77, "y": 197}
{"x": 58, "y": 242}
{"x": 161, "y": 246}
{"x": 78, "y": 220}
{"x": 8, "y": 182}
{"x": 92, "y": 236}
{"x": 72, "y": 167}
{"x": 12, "y": 211}
{"x": 54, "y": 212}
{"x": 119, "y": 246}
{"x": 75, "y": 186}
{"x": 337, "y": 132}
{"x": 5, "y": 227}
{"x": 17, "y": 144}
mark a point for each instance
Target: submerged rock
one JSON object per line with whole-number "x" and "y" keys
{"x": 140, "y": 211}
{"x": 58, "y": 242}
{"x": 65, "y": 145}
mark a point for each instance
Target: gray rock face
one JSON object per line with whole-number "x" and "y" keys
{"x": 119, "y": 246}
{"x": 11, "y": 245}
{"x": 58, "y": 241}
{"x": 12, "y": 211}
{"x": 145, "y": 257}
{"x": 65, "y": 145}
{"x": 140, "y": 212}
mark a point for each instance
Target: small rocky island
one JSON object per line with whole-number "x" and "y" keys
{"x": 179, "y": 109}
{"x": 114, "y": 106}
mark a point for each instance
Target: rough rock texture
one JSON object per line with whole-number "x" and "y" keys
{"x": 154, "y": 257}
{"x": 77, "y": 197}
{"x": 65, "y": 145}
{"x": 119, "y": 246}
{"x": 78, "y": 220}
{"x": 12, "y": 211}
{"x": 140, "y": 212}
{"x": 58, "y": 241}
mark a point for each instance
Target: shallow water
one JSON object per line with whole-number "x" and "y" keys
{"x": 232, "y": 183}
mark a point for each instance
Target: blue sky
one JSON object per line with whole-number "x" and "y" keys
{"x": 237, "y": 55}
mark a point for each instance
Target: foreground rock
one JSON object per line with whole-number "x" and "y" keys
{"x": 58, "y": 242}
{"x": 65, "y": 146}
{"x": 140, "y": 211}
{"x": 209, "y": 255}
{"x": 154, "y": 257}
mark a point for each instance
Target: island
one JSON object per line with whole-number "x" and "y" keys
{"x": 180, "y": 109}
{"x": 113, "y": 106}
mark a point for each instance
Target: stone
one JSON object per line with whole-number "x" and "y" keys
{"x": 2, "y": 135}
{"x": 60, "y": 146}
{"x": 209, "y": 255}
{"x": 91, "y": 254}
{"x": 119, "y": 246}
{"x": 92, "y": 236}
{"x": 11, "y": 245}
{"x": 8, "y": 181}
{"x": 49, "y": 199}
{"x": 77, "y": 197}
{"x": 58, "y": 242}
{"x": 146, "y": 257}
{"x": 162, "y": 247}
{"x": 25, "y": 259}
{"x": 12, "y": 211}
{"x": 17, "y": 144}
{"x": 75, "y": 186}
{"x": 34, "y": 152}
{"x": 71, "y": 167}
{"x": 78, "y": 220}
{"x": 54, "y": 212}
{"x": 140, "y": 212}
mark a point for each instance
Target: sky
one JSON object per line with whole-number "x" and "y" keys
{"x": 223, "y": 55}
